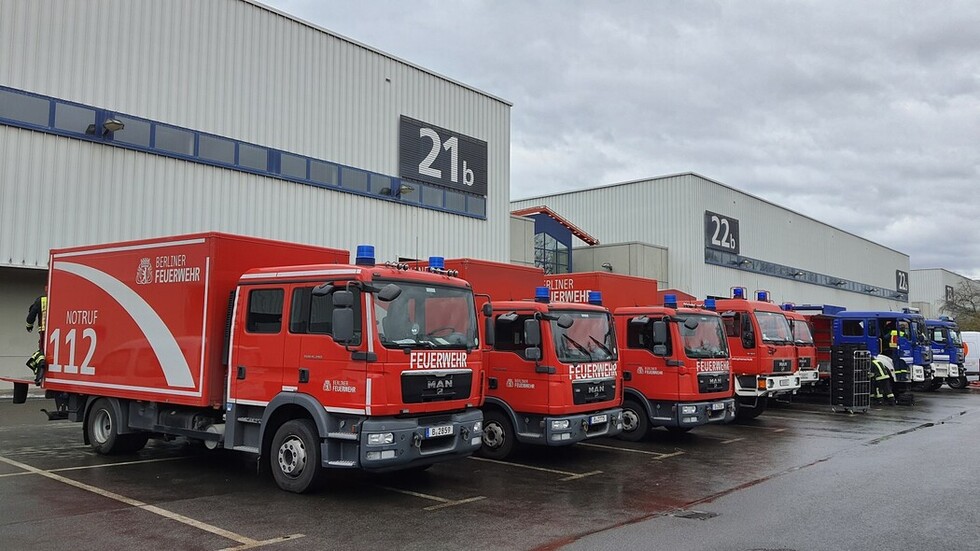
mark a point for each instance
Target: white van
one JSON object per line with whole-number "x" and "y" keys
{"x": 971, "y": 349}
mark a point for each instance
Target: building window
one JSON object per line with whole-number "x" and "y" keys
{"x": 71, "y": 118}
{"x": 550, "y": 254}
{"x": 217, "y": 149}
{"x": 24, "y": 108}
{"x": 292, "y": 166}
{"x": 173, "y": 139}
{"x": 250, "y": 156}
{"x": 324, "y": 173}
{"x": 354, "y": 179}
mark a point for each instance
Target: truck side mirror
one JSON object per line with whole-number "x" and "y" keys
{"x": 343, "y": 325}
{"x": 488, "y": 331}
{"x": 565, "y": 321}
{"x": 659, "y": 333}
{"x": 343, "y": 299}
{"x": 532, "y": 353}
{"x": 532, "y": 333}
{"x": 748, "y": 339}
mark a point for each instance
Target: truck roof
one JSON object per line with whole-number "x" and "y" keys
{"x": 360, "y": 272}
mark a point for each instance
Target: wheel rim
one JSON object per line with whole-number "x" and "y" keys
{"x": 101, "y": 426}
{"x": 292, "y": 456}
{"x": 493, "y": 435}
{"x": 631, "y": 421}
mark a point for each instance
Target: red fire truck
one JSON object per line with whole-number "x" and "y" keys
{"x": 552, "y": 367}
{"x": 675, "y": 360}
{"x": 276, "y": 349}
{"x": 762, "y": 351}
{"x": 806, "y": 349}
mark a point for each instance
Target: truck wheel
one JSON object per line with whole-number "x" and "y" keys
{"x": 132, "y": 443}
{"x": 636, "y": 425}
{"x": 102, "y": 426}
{"x": 958, "y": 383}
{"x": 745, "y": 412}
{"x": 498, "y": 435}
{"x": 935, "y": 384}
{"x": 295, "y": 456}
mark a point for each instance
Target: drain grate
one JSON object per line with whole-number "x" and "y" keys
{"x": 696, "y": 515}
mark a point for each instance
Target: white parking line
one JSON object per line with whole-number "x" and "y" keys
{"x": 246, "y": 542}
{"x": 568, "y": 475}
{"x": 443, "y": 502}
{"x": 656, "y": 455}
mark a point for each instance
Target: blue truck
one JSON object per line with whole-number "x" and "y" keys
{"x": 947, "y": 353}
{"x": 910, "y": 359}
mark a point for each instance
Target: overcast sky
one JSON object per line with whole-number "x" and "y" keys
{"x": 864, "y": 115}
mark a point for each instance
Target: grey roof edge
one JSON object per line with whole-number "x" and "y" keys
{"x": 716, "y": 182}
{"x": 334, "y": 34}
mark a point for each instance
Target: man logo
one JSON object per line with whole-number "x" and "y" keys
{"x": 144, "y": 274}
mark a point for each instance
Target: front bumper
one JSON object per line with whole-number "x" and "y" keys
{"x": 415, "y": 442}
{"x": 808, "y": 376}
{"x": 774, "y": 385}
{"x": 692, "y": 414}
{"x": 563, "y": 430}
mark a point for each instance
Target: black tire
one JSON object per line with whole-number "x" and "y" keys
{"x": 935, "y": 384}
{"x": 102, "y": 428}
{"x": 636, "y": 423}
{"x": 744, "y": 412}
{"x": 957, "y": 383}
{"x": 498, "y": 436}
{"x": 294, "y": 456}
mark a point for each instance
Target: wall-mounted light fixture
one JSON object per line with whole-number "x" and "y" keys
{"x": 798, "y": 274}
{"x": 869, "y": 289}
{"x": 405, "y": 188}
{"x": 839, "y": 282}
{"x": 607, "y": 266}
{"x": 743, "y": 262}
{"x": 112, "y": 125}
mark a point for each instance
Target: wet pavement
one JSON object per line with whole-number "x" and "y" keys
{"x": 799, "y": 477}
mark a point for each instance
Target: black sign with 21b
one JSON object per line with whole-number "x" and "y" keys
{"x": 443, "y": 157}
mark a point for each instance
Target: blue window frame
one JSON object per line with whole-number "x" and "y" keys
{"x": 36, "y": 112}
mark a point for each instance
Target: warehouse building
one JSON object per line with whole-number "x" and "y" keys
{"x": 704, "y": 237}
{"x": 123, "y": 120}
{"x": 932, "y": 288}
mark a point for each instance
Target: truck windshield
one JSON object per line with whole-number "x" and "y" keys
{"x": 801, "y": 332}
{"x": 426, "y": 316}
{"x": 707, "y": 340}
{"x": 589, "y": 339}
{"x": 774, "y": 328}
{"x": 957, "y": 338}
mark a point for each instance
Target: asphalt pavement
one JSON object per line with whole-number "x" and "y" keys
{"x": 801, "y": 477}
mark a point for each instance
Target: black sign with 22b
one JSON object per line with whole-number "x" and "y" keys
{"x": 443, "y": 157}
{"x": 721, "y": 232}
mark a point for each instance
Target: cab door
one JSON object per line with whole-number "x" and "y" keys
{"x": 318, "y": 365}
{"x": 257, "y": 357}
{"x": 511, "y": 376}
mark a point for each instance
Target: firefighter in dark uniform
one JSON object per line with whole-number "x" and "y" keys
{"x": 881, "y": 384}
{"x": 38, "y": 312}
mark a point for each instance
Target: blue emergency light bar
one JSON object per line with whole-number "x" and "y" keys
{"x": 437, "y": 262}
{"x": 364, "y": 255}
{"x": 762, "y": 296}
{"x": 738, "y": 292}
{"x": 670, "y": 300}
{"x": 709, "y": 304}
{"x": 542, "y": 294}
{"x": 595, "y": 297}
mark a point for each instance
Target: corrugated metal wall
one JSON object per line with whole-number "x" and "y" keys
{"x": 669, "y": 212}
{"x": 240, "y": 70}
{"x": 928, "y": 289}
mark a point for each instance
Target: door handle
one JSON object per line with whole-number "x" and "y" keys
{"x": 241, "y": 372}
{"x": 304, "y": 375}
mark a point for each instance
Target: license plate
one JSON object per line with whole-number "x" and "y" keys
{"x": 717, "y": 406}
{"x": 784, "y": 382}
{"x": 433, "y": 432}
{"x": 596, "y": 419}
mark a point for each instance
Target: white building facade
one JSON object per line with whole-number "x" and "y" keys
{"x": 717, "y": 237}
{"x": 123, "y": 120}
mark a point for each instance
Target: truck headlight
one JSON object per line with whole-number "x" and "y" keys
{"x": 689, "y": 410}
{"x": 380, "y": 438}
{"x": 478, "y": 426}
{"x": 560, "y": 424}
